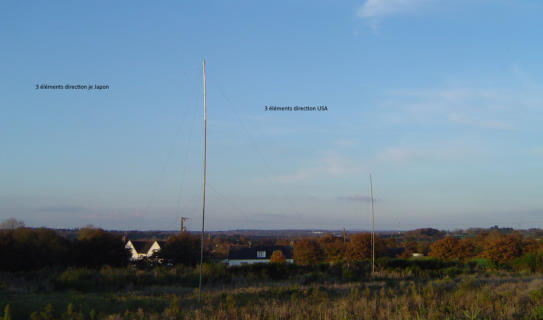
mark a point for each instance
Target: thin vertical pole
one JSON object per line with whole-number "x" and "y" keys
{"x": 203, "y": 187}
{"x": 372, "y": 229}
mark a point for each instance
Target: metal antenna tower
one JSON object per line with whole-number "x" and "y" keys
{"x": 203, "y": 186}
{"x": 372, "y": 230}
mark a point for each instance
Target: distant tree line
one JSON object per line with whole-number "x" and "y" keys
{"x": 498, "y": 247}
{"x": 331, "y": 249}
{"x": 24, "y": 249}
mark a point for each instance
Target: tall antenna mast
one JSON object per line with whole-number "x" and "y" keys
{"x": 203, "y": 187}
{"x": 372, "y": 230}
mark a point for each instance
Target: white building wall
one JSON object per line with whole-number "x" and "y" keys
{"x": 236, "y": 262}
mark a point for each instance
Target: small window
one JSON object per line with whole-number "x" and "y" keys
{"x": 261, "y": 254}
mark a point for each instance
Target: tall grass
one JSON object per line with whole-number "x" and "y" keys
{"x": 400, "y": 289}
{"x": 465, "y": 297}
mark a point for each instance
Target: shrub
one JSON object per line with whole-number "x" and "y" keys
{"x": 532, "y": 262}
{"x": 80, "y": 279}
{"x": 278, "y": 257}
{"x": 502, "y": 248}
{"x": 452, "y": 249}
{"x": 183, "y": 248}
{"x": 538, "y": 312}
{"x": 312, "y": 277}
{"x": 95, "y": 248}
{"x": 307, "y": 252}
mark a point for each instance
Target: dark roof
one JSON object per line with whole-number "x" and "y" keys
{"x": 239, "y": 253}
{"x": 143, "y": 246}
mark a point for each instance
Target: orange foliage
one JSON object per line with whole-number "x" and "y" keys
{"x": 308, "y": 251}
{"x": 450, "y": 248}
{"x": 278, "y": 257}
{"x": 502, "y": 248}
{"x": 333, "y": 247}
{"x": 359, "y": 247}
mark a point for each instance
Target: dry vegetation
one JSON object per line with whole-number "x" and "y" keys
{"x": 488, "y": 274}
{"x": 465, "y": 297}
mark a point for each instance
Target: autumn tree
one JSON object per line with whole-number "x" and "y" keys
{"x": 450, "y": 248}
{"x": 26, "y": 249}
{"x": 530, "y": 246}
{"x": 220, "y": 247}
{"x": 410, "y": 246}
{"x": 95, "y": 247}
{"x": 334, "y": 248}
{"x": 307, "y": 252}
{"x": 182, "y": 248}
{"x": 359, "y": 247}
{"x": 278, "y": 257}
{"x": 502, "y": 248}
{"x": 283, "y": 242}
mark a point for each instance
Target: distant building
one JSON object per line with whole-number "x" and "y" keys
{"x": 238, "y": 256}
{"x": 143, "y": 248}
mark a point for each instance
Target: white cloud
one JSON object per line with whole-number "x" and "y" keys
{"x": 380, "y": 8}
{"x": 331, "y": 164}
{"x": 483, "y": 108}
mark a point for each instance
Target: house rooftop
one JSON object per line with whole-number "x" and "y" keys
{"x": 143, "y": 246}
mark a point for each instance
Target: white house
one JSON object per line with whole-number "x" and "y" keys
{"x": 261, "y": 254}
{"x": 143, "y": 248}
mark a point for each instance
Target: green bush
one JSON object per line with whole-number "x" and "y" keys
{"x": 538, "y": 312}
{"x": 452, "y": 272}
{"x": 532, "y": 262}
{"x": 80, "y": 279}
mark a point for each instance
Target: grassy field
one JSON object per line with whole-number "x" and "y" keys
{"x": 388, "y": 295}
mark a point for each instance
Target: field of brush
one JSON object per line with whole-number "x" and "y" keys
{"x": 420, "y": 290}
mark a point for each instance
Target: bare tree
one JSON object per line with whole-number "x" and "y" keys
{"x": 11, "y": 224}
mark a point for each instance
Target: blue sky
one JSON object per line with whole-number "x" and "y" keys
{"x": 439, "y": 100}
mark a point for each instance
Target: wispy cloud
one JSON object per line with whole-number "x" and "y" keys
{"x": 379, "y": 8}
{"x": 372, "y": 11}
{"x": 330, "y": 164}
{"x": 483, "y": 108}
